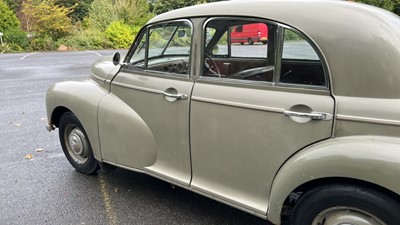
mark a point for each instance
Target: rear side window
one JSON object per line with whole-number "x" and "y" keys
{"x": 300, "y": 62}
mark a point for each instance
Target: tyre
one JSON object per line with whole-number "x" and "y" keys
{"x": 341, "y": 204}
{"x": 76, "y": 145}
{"x": 250, "y": 41}
{"x": 264, "y": 42}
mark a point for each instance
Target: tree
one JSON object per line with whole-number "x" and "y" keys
{"x": 162, "y": 6}
{"x": 46, "y": 18}
{"x": 134, "y": 12}
{"x": 391, "y": 5}
{"x": 101, "y": 14}
{"x": 8, "y": 20}
{"x": 81, "y": 8}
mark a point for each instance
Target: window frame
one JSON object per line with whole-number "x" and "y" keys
{"x": 278, "y": 32}
{"x": 128, "y": 67}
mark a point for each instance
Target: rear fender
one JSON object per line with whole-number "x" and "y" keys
{"x": 368, "y": 158}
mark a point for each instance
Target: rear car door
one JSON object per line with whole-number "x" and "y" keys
{"x": 252, "y": 109}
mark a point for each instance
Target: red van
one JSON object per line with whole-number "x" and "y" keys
{"x": 250, "y": 33}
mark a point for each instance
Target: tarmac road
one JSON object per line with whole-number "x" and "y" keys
{"x": 45, "y": 189}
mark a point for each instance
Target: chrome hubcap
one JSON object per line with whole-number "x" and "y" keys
{"x": 77, "y": 144}
{"x": 346, "y": 216}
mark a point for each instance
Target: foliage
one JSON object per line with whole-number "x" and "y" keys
{"x": 81, "y": 8}
{"x": 391, "y": 5}
{"x": 45, "y": 18}
{"x": 134, "y": 12}
{"x": 101, "y": 14}
{"x": 120, "y": 34}
{"x": 16, "y": 37}
{"x": 8, "y": 20}
{"x": 42, "y": 43}
{"x": 85, "y": 40}
{"x": 162, "y": 6}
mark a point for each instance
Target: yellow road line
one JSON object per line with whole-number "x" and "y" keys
{"x": 112, "y": 218}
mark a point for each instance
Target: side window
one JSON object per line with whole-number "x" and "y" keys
{"x": 300, "y": 62}
{"x": 238, "y": 49}
{"x": 164, "y": 48}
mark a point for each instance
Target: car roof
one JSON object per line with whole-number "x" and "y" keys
{"x": 360, "y": 43}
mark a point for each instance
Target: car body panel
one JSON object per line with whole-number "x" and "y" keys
{"x": 373, "y": 159}
{"x": 72, "y": 95}
{"x": 165, "y": 120}
{"x": 230, "y": 123}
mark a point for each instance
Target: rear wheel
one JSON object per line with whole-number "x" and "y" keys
{"x": 350, "y": 205}
{"x": 250, "y": 41}
{"x": 76, "y": 145}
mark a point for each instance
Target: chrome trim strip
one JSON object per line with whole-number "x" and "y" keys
{"x": 368, "y": 120}
{"x": 239, "y": 105}
{"x": 97, "y": 77}
{"x": 137, "y": 88}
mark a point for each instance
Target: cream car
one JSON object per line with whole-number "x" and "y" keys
{"x": 304, "y": 129}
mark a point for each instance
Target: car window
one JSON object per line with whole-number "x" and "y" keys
{"x": 300, "y": 62}
{"x": 237, "y": 49}
{"x": 164, "y": 48}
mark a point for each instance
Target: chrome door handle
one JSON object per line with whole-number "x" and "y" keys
{"x": 312, "y": 115}
{"x": 177, "y": 96}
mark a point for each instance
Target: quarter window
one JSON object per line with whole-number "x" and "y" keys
{"x": 164, "y": 48}
{"x": 300, "y": 62}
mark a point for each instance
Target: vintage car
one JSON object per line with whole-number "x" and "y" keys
{"x": 304, "y": 129}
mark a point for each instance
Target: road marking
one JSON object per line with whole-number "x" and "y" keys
{"x": 94, "y": 52}
{"x": 112, "y": 218}
{"x": 28, "y": 55}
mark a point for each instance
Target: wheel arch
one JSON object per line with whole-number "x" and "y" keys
{"x": 368, "y": 160}
{"x": 57, "y": 114}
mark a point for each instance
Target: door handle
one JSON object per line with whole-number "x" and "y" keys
{"x": 176, "y": 96}
{"x": 312, "y": 115}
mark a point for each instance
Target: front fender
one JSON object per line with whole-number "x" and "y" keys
{"x": 82, "y": 99}
{"x": 368, "y": 158}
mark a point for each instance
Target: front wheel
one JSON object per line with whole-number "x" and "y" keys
{"x": 76, "y": 145}
{"x": 350, "y": 205}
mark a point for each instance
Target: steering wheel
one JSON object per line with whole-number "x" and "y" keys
{"x": 210, "y": 67}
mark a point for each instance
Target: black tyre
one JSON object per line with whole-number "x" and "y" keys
{"x": 250, "y": 41}
{"x": 341, "y": 204}
{"x": 264, "y": 42}
{"x": 76, "y": 145}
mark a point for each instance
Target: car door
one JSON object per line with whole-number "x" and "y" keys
{"x": 143, "y": 122}
{"x": 247, "y": 121}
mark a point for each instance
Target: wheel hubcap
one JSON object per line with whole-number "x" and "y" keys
{"x": 346, "y": 216}
{"x": 77, "y": 144}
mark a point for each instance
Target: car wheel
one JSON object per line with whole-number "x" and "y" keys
{"x": 76, "y": 145}
{"x": 250, "y": 41}
{"x": 241, "y": 43}
{"x": 340, "y": 204}
{"x": 264, "y": 42}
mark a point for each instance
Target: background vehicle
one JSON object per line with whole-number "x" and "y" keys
{"x": 302, "y": 127}
{"x": 250, "y": 33}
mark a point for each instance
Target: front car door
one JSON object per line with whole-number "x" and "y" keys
{"x": 254, "y": 107}
{"x": 143, "y": 122}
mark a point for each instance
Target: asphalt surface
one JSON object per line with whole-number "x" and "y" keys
{"x": 39, "y": 186}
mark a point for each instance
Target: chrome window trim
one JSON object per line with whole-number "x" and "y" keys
{"x": 317, "y": 50}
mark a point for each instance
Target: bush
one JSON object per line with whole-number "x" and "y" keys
{"x": 121, "y": 35}
{"x": 84, "y": 40}
{"x": 42, "y": 43}
{"x": 16, "y": 37}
